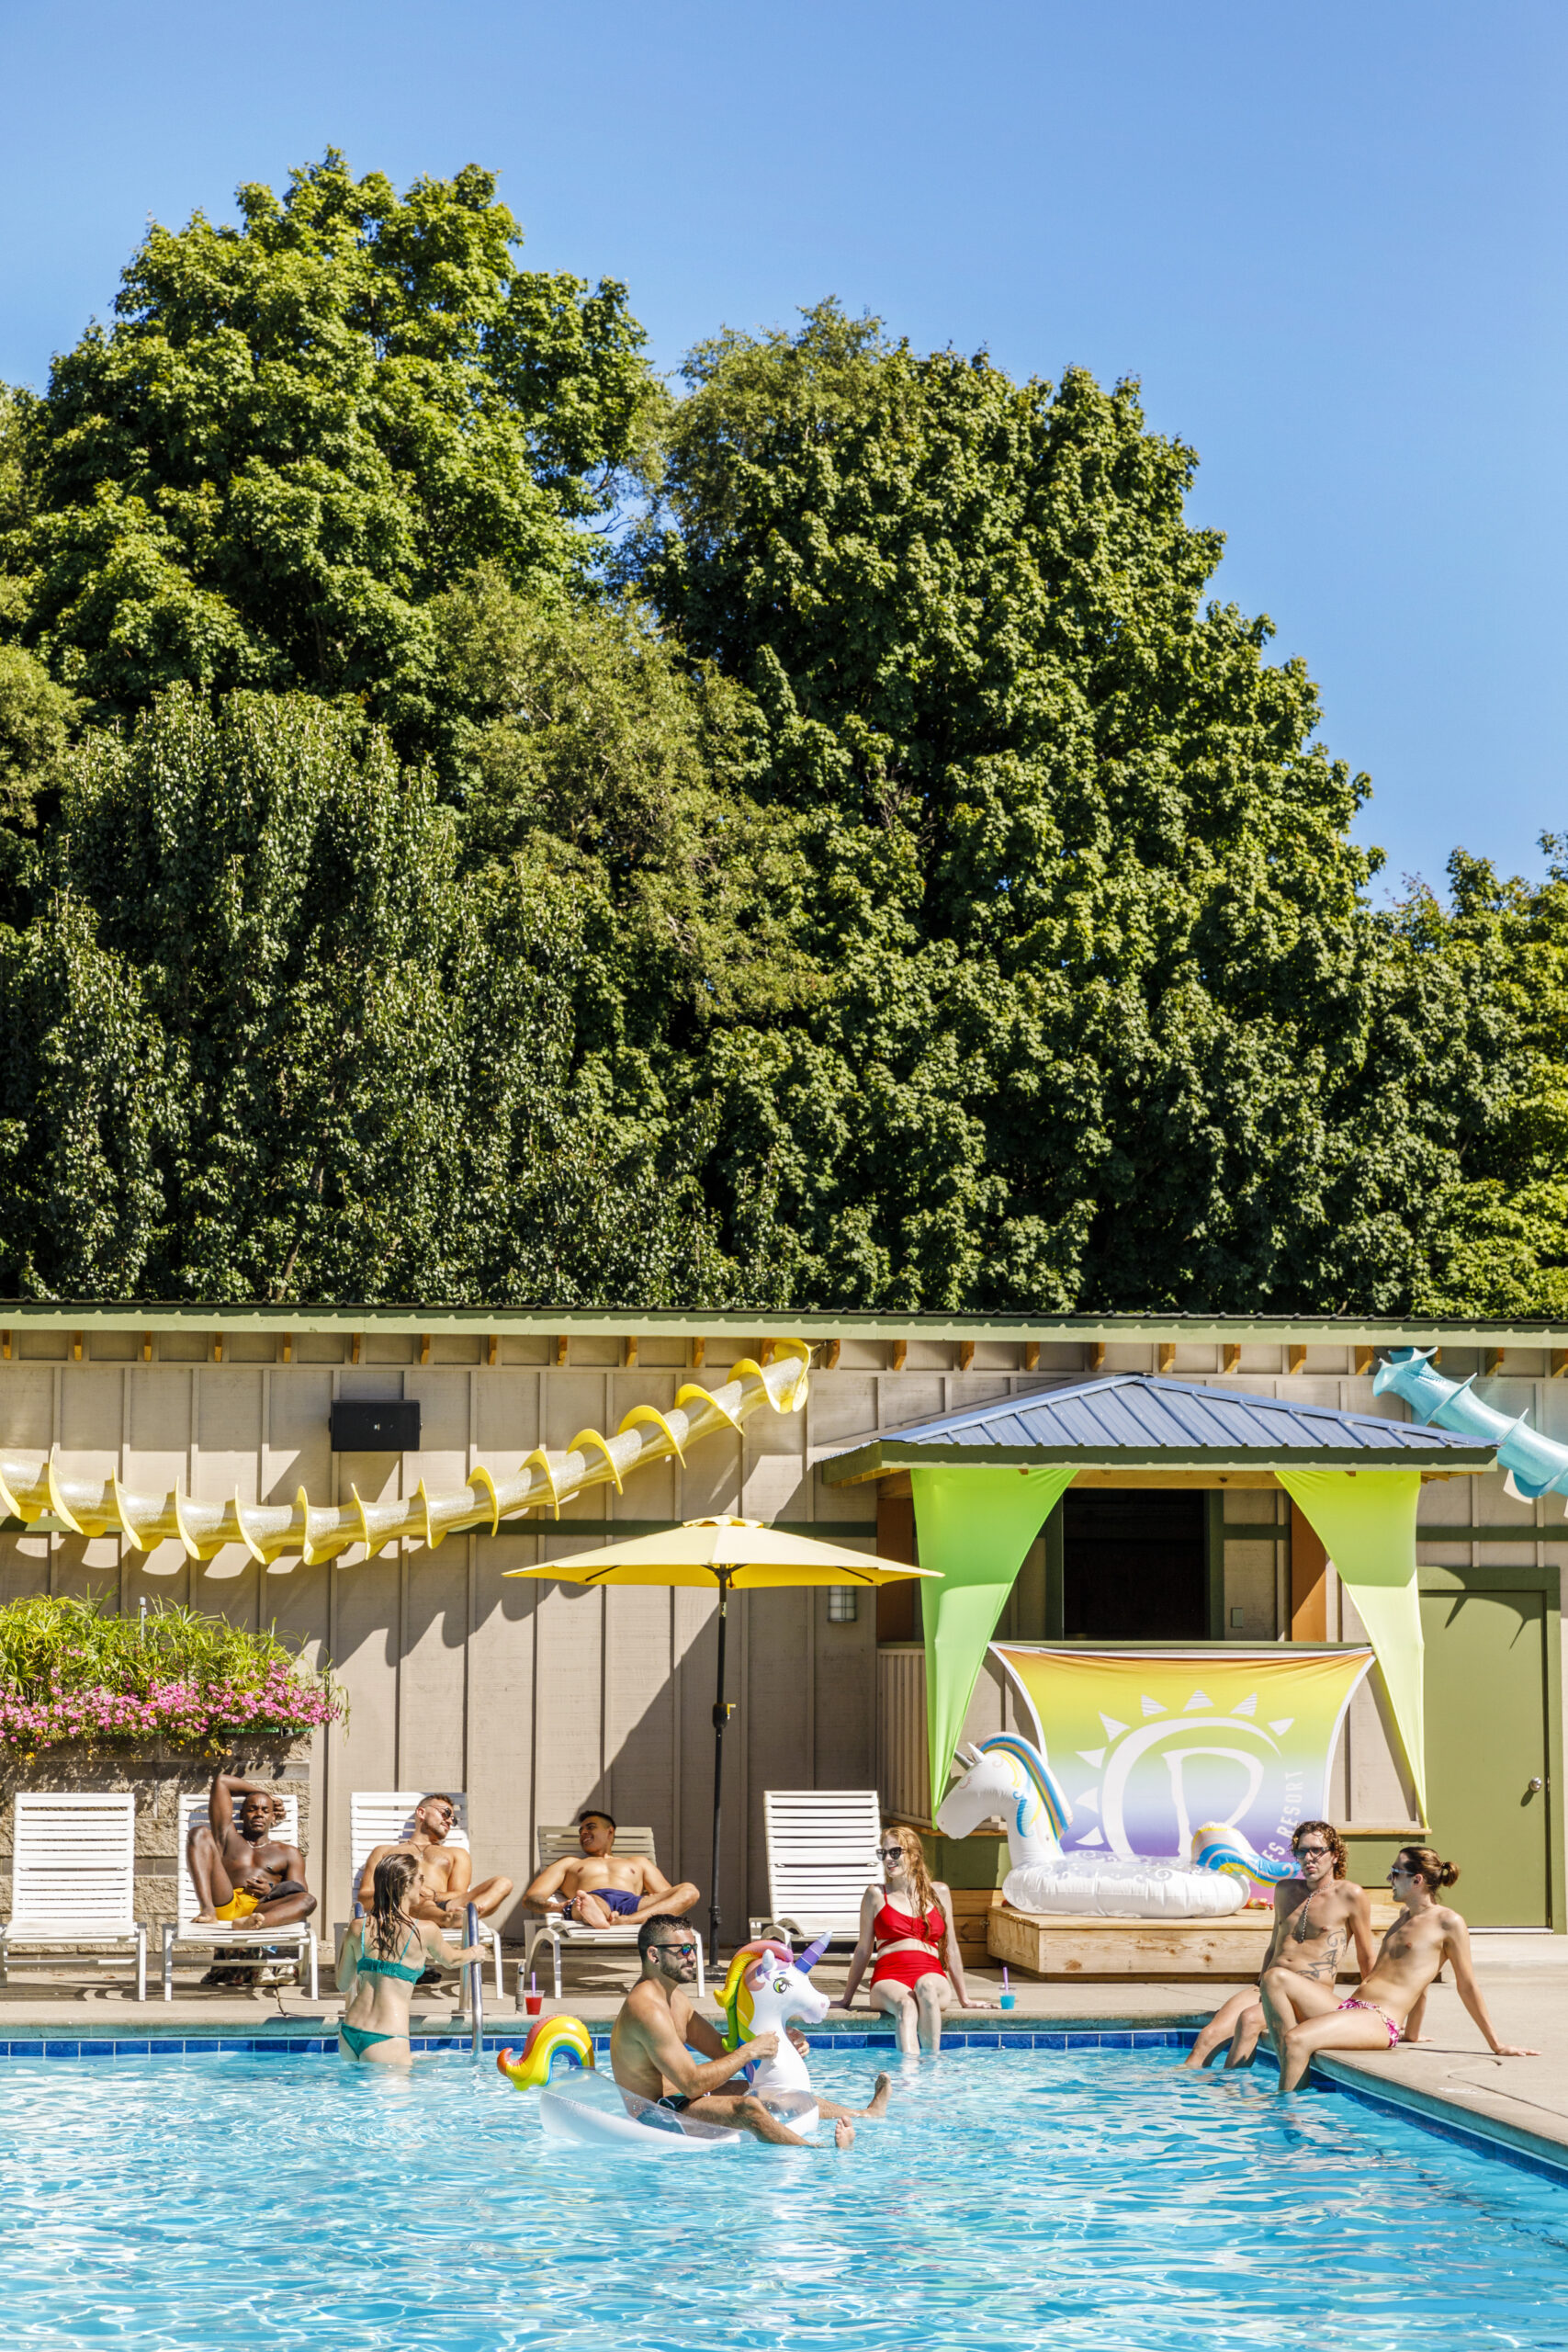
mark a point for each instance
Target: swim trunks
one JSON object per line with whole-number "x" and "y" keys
{"x": 1381, "y": 2016}
{"x": 676, "y": 2101}
{"x": 613, "y": 1899}
{"x": 240, "y": 1907}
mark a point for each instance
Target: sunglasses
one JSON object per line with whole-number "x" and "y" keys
{"x": 678, "y": 1951}
{"x": 890, "y": 1853}
{"x": 1311, "y": 1853}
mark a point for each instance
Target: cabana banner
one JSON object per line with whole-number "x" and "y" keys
{"x": 1150, "y": 1746}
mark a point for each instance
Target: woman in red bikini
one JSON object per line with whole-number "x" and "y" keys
{"x": 1304, "y": 2016}
{"x": 907, "y": 1935}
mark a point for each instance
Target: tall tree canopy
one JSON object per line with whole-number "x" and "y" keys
{"x": 1109, "y": 1024}
{"x": 1501, "y": 1243}
{"x": 299, "y": 431}
{"x": 268, "y": 1042}
{"x": 861, "y": 868}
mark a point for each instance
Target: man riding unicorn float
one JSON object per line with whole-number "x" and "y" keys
{"x": 759, "y": 2066}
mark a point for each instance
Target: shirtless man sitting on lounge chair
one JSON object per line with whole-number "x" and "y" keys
{"x": 1317, "y": 1915}
{"x": 649, "y": 2053}
{"x": 446, "y": 1871}
{"x": 1304, "y": 2016}
{"x": 240, "y": 1872}
{"x": 603, "y": 1889}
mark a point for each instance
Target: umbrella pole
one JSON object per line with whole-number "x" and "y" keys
{"x": 721, "y": 1717}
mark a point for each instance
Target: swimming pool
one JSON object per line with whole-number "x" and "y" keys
{"x": 1013, "y": 2199}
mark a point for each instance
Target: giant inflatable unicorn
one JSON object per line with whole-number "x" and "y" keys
{"x": 766, "y": 1988}
{"x": 1007, "y": 1775}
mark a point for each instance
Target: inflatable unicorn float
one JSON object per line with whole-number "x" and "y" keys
{"x": 767, "y": 1990}
{"x": 1007, "y": 1775}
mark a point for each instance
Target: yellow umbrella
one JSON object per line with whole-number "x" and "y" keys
{"x": 736, "y": 1555}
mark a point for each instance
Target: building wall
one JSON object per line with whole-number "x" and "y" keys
{"x": 539, "y": 1699}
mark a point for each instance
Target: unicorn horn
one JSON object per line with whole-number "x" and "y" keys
{"x": 812, "y": 1955}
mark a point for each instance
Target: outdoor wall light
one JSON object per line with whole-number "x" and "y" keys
{"x": 843, "y": 1604}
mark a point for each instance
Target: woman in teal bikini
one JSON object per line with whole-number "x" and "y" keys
{"x": 383, "y": 1959}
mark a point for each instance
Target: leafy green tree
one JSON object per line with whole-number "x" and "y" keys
{"x": 269, "y": 1043}
{"x": 36, "y": 716}
{"x": 297, "y": 431}
{"x": 1107, "y": 1020}
{"x": 1501, "y": 1245}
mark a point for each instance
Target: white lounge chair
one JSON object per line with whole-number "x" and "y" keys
{"x": 385, "y": 1817}
{"x": 556, "y": 1843}
{"x": 222, "y": 1933}
{"x": 821, "y": 1858}
{"x": 73, "y": 1880}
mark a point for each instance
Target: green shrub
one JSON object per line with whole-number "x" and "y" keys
{"x": 69, "y": 1671}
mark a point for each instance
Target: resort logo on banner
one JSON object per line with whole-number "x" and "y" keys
{"x": 1150, "y": 1745}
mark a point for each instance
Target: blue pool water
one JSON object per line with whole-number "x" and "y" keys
{"x": 1012, "y": 2200}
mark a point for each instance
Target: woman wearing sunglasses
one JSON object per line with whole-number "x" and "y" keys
{"x": 1304, "y": 2018}
{"x": 908, "y": 1936}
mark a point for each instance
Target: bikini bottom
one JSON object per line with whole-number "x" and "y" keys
{"x": 359, "y": 2041}
{"x": 1381, "y": 2016}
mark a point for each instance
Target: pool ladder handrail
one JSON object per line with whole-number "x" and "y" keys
{"x": 476, "y": 1982}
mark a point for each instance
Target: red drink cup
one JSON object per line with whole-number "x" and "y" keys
{"x": 533, "y": 2004}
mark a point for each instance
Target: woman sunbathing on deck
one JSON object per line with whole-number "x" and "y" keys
{"x": 909, "y": 1921}
{"x": 1304, "y": 2016}
{"x": 383, "y": 1959}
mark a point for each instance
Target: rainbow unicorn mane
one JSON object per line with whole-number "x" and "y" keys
{"x": 735, "y": 1998}
{"x": 1042, "y": 1780}
{"x": 1217, "y": 1848}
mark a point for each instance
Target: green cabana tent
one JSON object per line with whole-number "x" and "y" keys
{"x": 983, "y": 1481}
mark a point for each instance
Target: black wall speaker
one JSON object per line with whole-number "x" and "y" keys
{"x": 363, "y": 1425}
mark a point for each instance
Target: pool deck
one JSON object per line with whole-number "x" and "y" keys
{"x": 1517, "y": 2105}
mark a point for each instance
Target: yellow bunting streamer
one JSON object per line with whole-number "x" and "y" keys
{"x": 277, "y": 1534}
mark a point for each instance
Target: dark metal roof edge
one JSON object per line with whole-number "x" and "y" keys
{"x": 1051, "y": 1394}
{"x": 885, "y": 1454}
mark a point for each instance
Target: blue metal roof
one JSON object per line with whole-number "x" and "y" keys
{"x": 1138, "y": 1416}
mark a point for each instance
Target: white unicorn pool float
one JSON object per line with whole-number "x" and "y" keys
{"x": 1007, "y": 1775}
{"x": 767, "y": 1990}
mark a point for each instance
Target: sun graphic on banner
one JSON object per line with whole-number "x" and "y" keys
{"x": 1191, "y": 1766}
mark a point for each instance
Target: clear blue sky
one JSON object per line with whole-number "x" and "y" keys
{"x": 1328, "y": 239}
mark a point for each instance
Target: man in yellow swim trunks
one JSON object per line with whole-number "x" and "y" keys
{"x": 240, "y": 1872}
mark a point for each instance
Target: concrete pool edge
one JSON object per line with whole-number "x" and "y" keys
{"x": 1490, "y": 2136}
{"x": 1493, "y": 2135}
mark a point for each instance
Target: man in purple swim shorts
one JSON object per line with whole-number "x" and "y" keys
{"x": 599, "y": 1887}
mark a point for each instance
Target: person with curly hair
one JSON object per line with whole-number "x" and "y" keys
{"x": 1317, "y": 1915}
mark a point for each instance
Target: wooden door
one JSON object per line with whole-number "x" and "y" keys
{"x": 1489, "y": 1803}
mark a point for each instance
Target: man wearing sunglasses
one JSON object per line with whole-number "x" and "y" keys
{"x": 649, "y": 2053}
{"x": 1317, "y": 1915}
